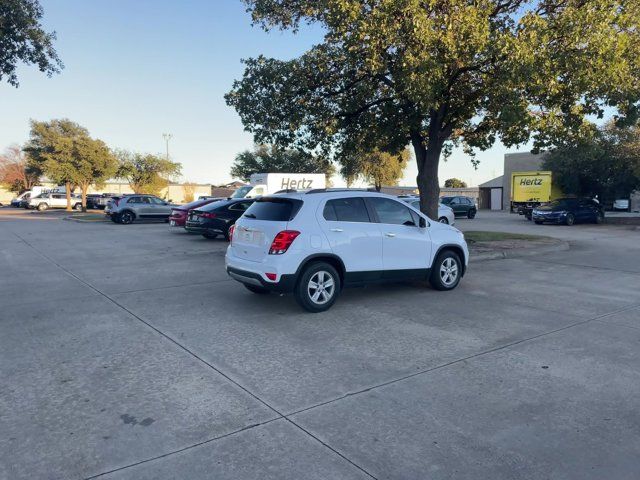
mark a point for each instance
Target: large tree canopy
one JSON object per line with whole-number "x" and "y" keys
{"x": 437, "y": 73}
{"x": 146, "y": 173}
{"x": 606, "y": 164}
{"x": 15, "y": 172}
{"x": 22, "y": 39}
{"x": 274, "y": 159}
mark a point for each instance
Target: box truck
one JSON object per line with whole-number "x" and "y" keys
{"x": 530, "y": 189}
{"x": 267, "y": 183}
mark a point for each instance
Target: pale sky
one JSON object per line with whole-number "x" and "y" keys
{"x": 135, "y": 70}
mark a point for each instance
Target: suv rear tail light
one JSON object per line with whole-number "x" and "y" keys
{"x": 208, "y": 215}
{"x": 283, "y": 241}
{"x": 231, "y": 230}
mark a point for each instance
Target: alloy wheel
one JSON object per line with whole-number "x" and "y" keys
{"x": 449, "y": 271}
{"x": 321, "y": 287}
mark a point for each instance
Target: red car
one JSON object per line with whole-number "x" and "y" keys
{"x": 179, "y": 214}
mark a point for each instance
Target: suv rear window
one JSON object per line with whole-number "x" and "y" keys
{"x": 273, "y": 209}
{"x": 350, "y": 209}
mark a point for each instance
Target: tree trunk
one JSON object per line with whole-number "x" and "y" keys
{"x": 428, "y": 159}
{"x": 67, "y": 187}
{"x": 84, "y": 197}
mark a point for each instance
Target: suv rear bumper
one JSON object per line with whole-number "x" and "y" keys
{"x": 286, "y": 284}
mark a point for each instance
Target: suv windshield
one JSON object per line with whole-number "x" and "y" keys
{"x": 241, "y": 192}
{"x": 273, "y": 209}
{"x": 446, "y": 200}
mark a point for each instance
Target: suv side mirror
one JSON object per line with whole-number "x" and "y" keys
{"x": 423, "y": 223}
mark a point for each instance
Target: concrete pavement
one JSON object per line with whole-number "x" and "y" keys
{"x": 126, "y": 353}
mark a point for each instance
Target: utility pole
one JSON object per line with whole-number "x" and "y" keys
{"x": 167, "y": 137}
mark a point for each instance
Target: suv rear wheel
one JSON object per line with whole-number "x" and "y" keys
{"x": 444, "y": 220}
{"x": 42, "y": 207}
{"x": 446, "y": 271}
{"x": 318, "y": 287}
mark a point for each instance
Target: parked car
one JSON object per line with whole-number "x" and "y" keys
{"x": 127, "y": 209}
{"x": 178, "y": 217}
{"x": 44, "y": 201}
{"x": 217, "y": 218}
{"x": 445, "y": 214}
{"x": 92, "y": 200}
{"x": 313, "y": 244}
{"x": 22, "y": 200}
{"x": 569, "y": 211}
{"x": 100, "y": 200}
{"x": 461, "y": 205}
{"x": 621, "y": 204}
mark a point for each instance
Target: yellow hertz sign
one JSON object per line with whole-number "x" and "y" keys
{"x": 530, "y": 186}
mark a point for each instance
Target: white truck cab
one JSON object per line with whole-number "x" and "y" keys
{"x": 268, "y": 183}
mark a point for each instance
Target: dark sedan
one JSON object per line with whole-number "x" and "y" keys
{"x": 217, "y": 217}
{"x": 569, "y": 211}
{"x": 178, "y": 217}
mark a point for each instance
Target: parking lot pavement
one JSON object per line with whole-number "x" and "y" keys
{"x": 125, "y": 352}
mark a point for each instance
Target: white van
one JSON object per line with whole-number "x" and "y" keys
{"x": 267, "y": 183}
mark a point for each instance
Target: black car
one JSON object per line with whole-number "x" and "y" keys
{"x": 92, "y": 200}
{"x": 460, "y": 206}
{"x": 216, "y": 218}
{"x": 569, "y": 211}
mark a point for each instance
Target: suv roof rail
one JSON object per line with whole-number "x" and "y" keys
{"x": 286, "y": 190}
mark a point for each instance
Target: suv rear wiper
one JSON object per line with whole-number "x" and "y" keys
{"x": 249, "y": 215}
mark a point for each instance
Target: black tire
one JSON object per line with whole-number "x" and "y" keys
{"x": 570, "y": 220}
{"x": 446, "y": 271}
{"x": 304, "y": 292}
{"x": 127, "y": 217}
{"x": 42, "y": 207}
{"x": 443, "y": 220}
{"x": 211, "y": 236}
{"x": 256, "y": 289}
{"x": 471, "y": 214}
{"x": 77, "y": 206}
{"x": 225, "y": 234}
{"x": 538, "y": 222}
{"x": 599, "y": 218}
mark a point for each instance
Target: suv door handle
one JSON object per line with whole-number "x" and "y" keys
{"x": 337, "y": 230}
{"x": 389, "y": 234}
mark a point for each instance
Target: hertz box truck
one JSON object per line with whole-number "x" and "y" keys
{"x": 267, "y": 183}
{"x": 530, "y": 189}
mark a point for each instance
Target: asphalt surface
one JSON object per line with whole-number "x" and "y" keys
{"x": 127, "y": 353}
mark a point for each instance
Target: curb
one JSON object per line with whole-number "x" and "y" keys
{"x": 558, "y": 247}
{"x": 81, "y": 220}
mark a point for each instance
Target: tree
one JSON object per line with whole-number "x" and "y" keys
{"x": 273, "y": 159}
{"x": 22, "y": 39}
{"x": 436, "y": 74}
{"x": 93, "y": 163}
{"x": 53, "y": 149}
{"x": 146, "y": 173}
{"x": 381, "y": 168}
{"x": 454, "y": 183}
{"x": 15, "y": 172}
{"x": 606, "y": 164}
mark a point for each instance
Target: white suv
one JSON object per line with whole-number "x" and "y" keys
{"x": 315, "y": 243}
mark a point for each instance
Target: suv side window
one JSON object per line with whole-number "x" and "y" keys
{"x": 351, "y": 209}
{"x": 134, "y": 200}
{"x": 392, "y": 212}
{"x": 155, "y": 200}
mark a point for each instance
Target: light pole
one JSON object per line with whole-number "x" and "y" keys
{"x": 167, "y": 137}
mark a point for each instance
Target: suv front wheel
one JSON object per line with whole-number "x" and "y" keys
{"x": 318, "y": 287}
{"x": 126, "y": 217}
{"x": 446, "y": 271}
